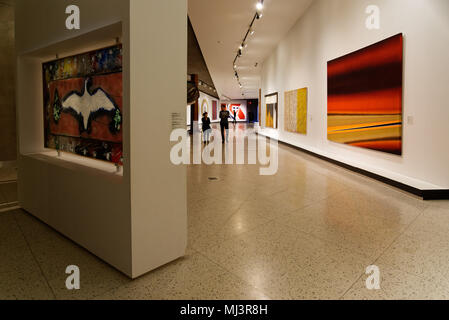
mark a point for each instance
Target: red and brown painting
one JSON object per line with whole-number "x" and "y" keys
{"x": 83, "y": 105}
{"x": 365, "y": 97}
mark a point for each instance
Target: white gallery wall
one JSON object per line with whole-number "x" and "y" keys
{"x": 330, "y": 29}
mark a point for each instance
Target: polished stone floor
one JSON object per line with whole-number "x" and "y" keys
{"x": 308, "y": 232}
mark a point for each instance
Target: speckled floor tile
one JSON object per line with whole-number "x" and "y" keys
{"x": 96, "y": 276}
{"x": 190, "y": 278}
{"x": 204, "y": 233}
{"x": 444, "y": 204}
{"x": 425, "y": 255}
{"x": 287, "y": 264}
{"x": 24, "y": 286}
{"x": 33, "y": 229}
{"x": 20, "y": 275}
{"x": 11, "y": 236}
{"x": 351, "y": 229}
{"x": 434, "y": 221}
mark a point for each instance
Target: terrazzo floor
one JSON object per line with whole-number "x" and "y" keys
{"x": 308, "y": 232}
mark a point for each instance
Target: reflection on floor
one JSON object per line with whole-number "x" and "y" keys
{"x": 308, "y": 232}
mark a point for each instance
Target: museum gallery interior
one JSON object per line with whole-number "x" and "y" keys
{"x": 226, "y": 149}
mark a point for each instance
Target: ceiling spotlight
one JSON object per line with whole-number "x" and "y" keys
{"x": 259, "y": 15}
{"x": 240, "y": 52}
{"x": 241, "y": 47}
{"x": 259, "y": 5}
{"x": 252, "y": 32}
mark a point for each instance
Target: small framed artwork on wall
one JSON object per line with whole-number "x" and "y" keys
{"x": 272, "y": 119}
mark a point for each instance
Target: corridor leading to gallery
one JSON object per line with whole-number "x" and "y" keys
{"x": 308, "y": 232}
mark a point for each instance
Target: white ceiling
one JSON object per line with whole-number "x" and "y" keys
{"x": 220, "y": 26}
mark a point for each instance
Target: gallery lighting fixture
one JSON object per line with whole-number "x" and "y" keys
{"x": 251, "y": 31}
{"x": 211, "y": 87}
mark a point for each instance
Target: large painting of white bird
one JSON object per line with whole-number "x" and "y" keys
{"x": 86, "y": 104}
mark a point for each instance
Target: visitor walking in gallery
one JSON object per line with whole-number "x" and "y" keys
{"x": 206, "y": 127}
{"x": 224, "y": 123}
{"x": 235, "y": 118}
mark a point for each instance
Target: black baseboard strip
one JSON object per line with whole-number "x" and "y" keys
{"x": 436, "y": 194}
{"x": 425, "y": 194}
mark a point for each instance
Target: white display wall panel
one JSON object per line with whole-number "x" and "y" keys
{"x": 330, "y": 29}
{"x": 128, "y": 219}
{"x": 205, "y": 103}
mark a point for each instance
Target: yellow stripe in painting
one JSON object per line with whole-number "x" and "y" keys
{"x": 366, "y": 129}
{"x": 372, "y": 124}
{"x": 358, "y": 120}
{"x": 366, "y": 134}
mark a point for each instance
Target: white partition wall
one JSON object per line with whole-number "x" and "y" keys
{"x": 136, "y": 219}
{"x": 158, "y": 68}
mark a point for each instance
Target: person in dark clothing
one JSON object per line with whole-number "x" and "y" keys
{"x": 206, "y": 127}
{"x": 224, "y": 123}
{"x": 235, "y": 117}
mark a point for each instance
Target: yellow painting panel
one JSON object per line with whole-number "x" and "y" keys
{"x": 269, "y": 120}
{"x": 295, "y": 113}
{"x": 302, "y": 111}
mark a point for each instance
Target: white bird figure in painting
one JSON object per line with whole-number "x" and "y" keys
{"x": 87, "y": 103}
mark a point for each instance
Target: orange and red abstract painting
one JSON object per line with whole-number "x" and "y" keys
{"x": 365, "y": 97}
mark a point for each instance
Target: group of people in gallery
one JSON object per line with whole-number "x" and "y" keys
{"x": 224, "y": 125}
